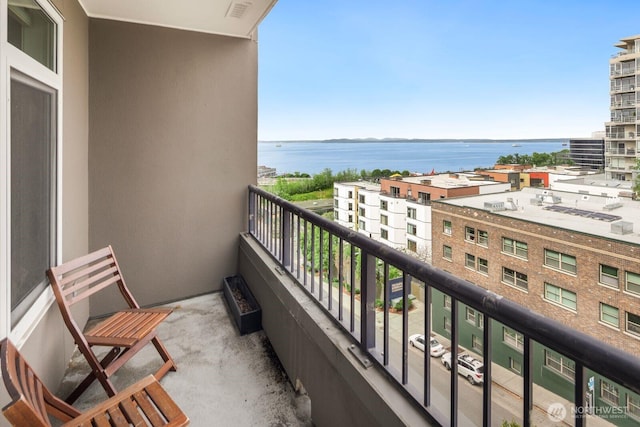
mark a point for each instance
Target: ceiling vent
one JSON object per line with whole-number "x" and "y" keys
{"x": 237, "y": 10}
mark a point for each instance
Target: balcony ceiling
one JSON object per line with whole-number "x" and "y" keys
{"x": 234, "y": 18}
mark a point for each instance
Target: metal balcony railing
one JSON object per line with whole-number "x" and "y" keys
{"x": 303, "y": 242}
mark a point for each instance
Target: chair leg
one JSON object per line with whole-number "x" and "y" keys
{"x": 91, "y": 377}
{"x": 169, "y": 364}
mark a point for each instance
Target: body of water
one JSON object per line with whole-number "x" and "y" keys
{"x": 421, "y": 157}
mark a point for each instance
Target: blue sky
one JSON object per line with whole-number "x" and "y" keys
{"x": 498, "y": 69}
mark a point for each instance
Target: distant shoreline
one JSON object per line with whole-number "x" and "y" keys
{"x": 394, "y": 140}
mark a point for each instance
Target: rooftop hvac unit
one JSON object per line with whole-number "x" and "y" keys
{"x": 622, "y": 227}
{"x": 494, "y": 206}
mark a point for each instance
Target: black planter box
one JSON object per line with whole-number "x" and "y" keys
{"x": 246, "y": 312}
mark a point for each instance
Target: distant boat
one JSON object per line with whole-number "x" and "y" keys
{"x": 278, "y": 145}
{"x": 564, "y": 144}
{"x": 516, "y": 145}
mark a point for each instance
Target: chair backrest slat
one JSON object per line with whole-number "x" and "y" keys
{"x": 25, "y": 389}
{"x": 69, "y": 281}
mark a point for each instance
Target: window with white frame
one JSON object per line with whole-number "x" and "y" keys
{"x": 483, "y": 238}
{"x": 447, "y": 324}
{"x": 513, "y": 338}
{"x": 515, "y": 365}
{"x": 447, "y": 302}
{"x": 384, "y": 205}
{"x": 362, "y": 225}
{"x": 412, "y": 245}
{"x": 412, "y": 229}
{"x": 560, "y": 296}
{"x": 32, "y": 114}
{"x": 384, "y": 234}
{"x": 470, "y": 315}
{"x": 609, "y": 276}
{"x": 633, "y": 324}
{"x": 515, "y": 247}
{"x": 560, "y": 261}
{"x": 447, "y": 252}
{"x": 384, "y": 220}
{"x": 411, "y": 213}
{"x": 470, "y": 261}
{"x": 610, "y": 315}
{"x": 483, "y": 266}
{"x": 609, "y": 392}
{"x": 476, "y": 343}
{"x": 633, "y": 405}
{"x": 632, "y": 282}
{"x": 362, "y": 212}
{"x": 560, "y": 364}
{"x": 446, "y": 227}
{"x": 469, "y": 234}
{"x": 514, "y": 278}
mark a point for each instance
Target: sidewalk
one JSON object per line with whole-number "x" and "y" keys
{"x": 504, "y": 381}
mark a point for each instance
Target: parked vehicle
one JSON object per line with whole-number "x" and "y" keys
{"x": 470, "y": 368}
{"x": 435, "y": 348}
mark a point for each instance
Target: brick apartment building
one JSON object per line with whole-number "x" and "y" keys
{"x": 571, "y": 257}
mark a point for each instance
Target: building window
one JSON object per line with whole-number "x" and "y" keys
{"x": 384, "y": 234}
{"x": 609, "y": 315}
{"x": 609, "y": 276}
{"x": 395, "y": 191}
{"x": 633, "y": 405}
{"x": 411, "y": 213}
{"x": 470, "y": 234}
{"x": 361, "y": 198}
{"x": 470, "y": 315}
{"x": 514, "y": 278}
{"x": 384, "y": 205}
{"x": 446, "y": 227}
{"x": 412, "y": 229}
{"x": 560, "y": 364}
{"x": 476, "y": 343}
{"x": 412, "y": 246}
{"x": 560, "y": 261}
{"x": 515, "y": 365}
{"x": 515, "y": 247}
{"x": 350, "y": 195}
{"x": 609, "y": 392}
{"x": 447, "y": 252}
{"x": 384, "y": 220}
{"x": 424, "y": 198}
{"x": 513, "y": 338}
{"x": 447, "y": 302}
{"x": 560, "y": 296}
{"x": 447, "y": 324}
{"x": 483, "y": 266}
{"x": 336, "y": 215}
{"x": 632, "y": 282}
{"x": 31, "y": 166}
{"x": 31, "y": 30}
{"x": 483, "y": 238}
{"x": 350, "y": 219}
{"x": 362, "y": 212}
{"x": 633, "y": 324}
{"x": 363, "y": 225}
{"x": 350, "y": 208}
{"x": 336, "y": 204}
{"x": 470, "y": 261}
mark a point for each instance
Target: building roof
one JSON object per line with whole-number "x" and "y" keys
{"x": 570, "y": 211}
{"x": 448, "y": 181}
{"x": 365, "y": 185}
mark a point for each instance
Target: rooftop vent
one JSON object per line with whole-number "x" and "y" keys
{"x": 612, "y": 203}
{"x": 494, "y": 206}
{"x": 510, "y": 205}
{"x": 622, "y": 227}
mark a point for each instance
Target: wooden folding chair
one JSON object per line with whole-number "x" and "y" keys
{"x": 145, "y": 403}
{"x": 126, "y": 331}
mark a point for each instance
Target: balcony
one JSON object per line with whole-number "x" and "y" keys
{"x": 356, "y": 362}
{"x": 621, "y": 152}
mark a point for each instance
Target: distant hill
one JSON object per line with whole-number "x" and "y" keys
{"x": 392, "y": 140}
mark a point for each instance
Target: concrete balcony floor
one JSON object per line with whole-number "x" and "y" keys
{"x": 222, "y": 378}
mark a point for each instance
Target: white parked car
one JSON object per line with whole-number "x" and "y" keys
{"x": 435, "y": 348}
{"x": 470, "y": 368}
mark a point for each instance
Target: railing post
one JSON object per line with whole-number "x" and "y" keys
{"x": 252, "y": 212}
{"x": 285, "y": 248}
{"x": 367, "y": 300}
{"x": 488, "y": 357}
{"x": 527, "y": 401}
{"x": 579, "y": 396}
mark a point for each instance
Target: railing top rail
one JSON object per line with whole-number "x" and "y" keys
{"x": 615, "y": 364}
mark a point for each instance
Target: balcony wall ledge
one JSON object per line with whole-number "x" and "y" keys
{"x": 314, "y": 351}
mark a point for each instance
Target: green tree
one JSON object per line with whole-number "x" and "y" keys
{"x": 636, "y": 184}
